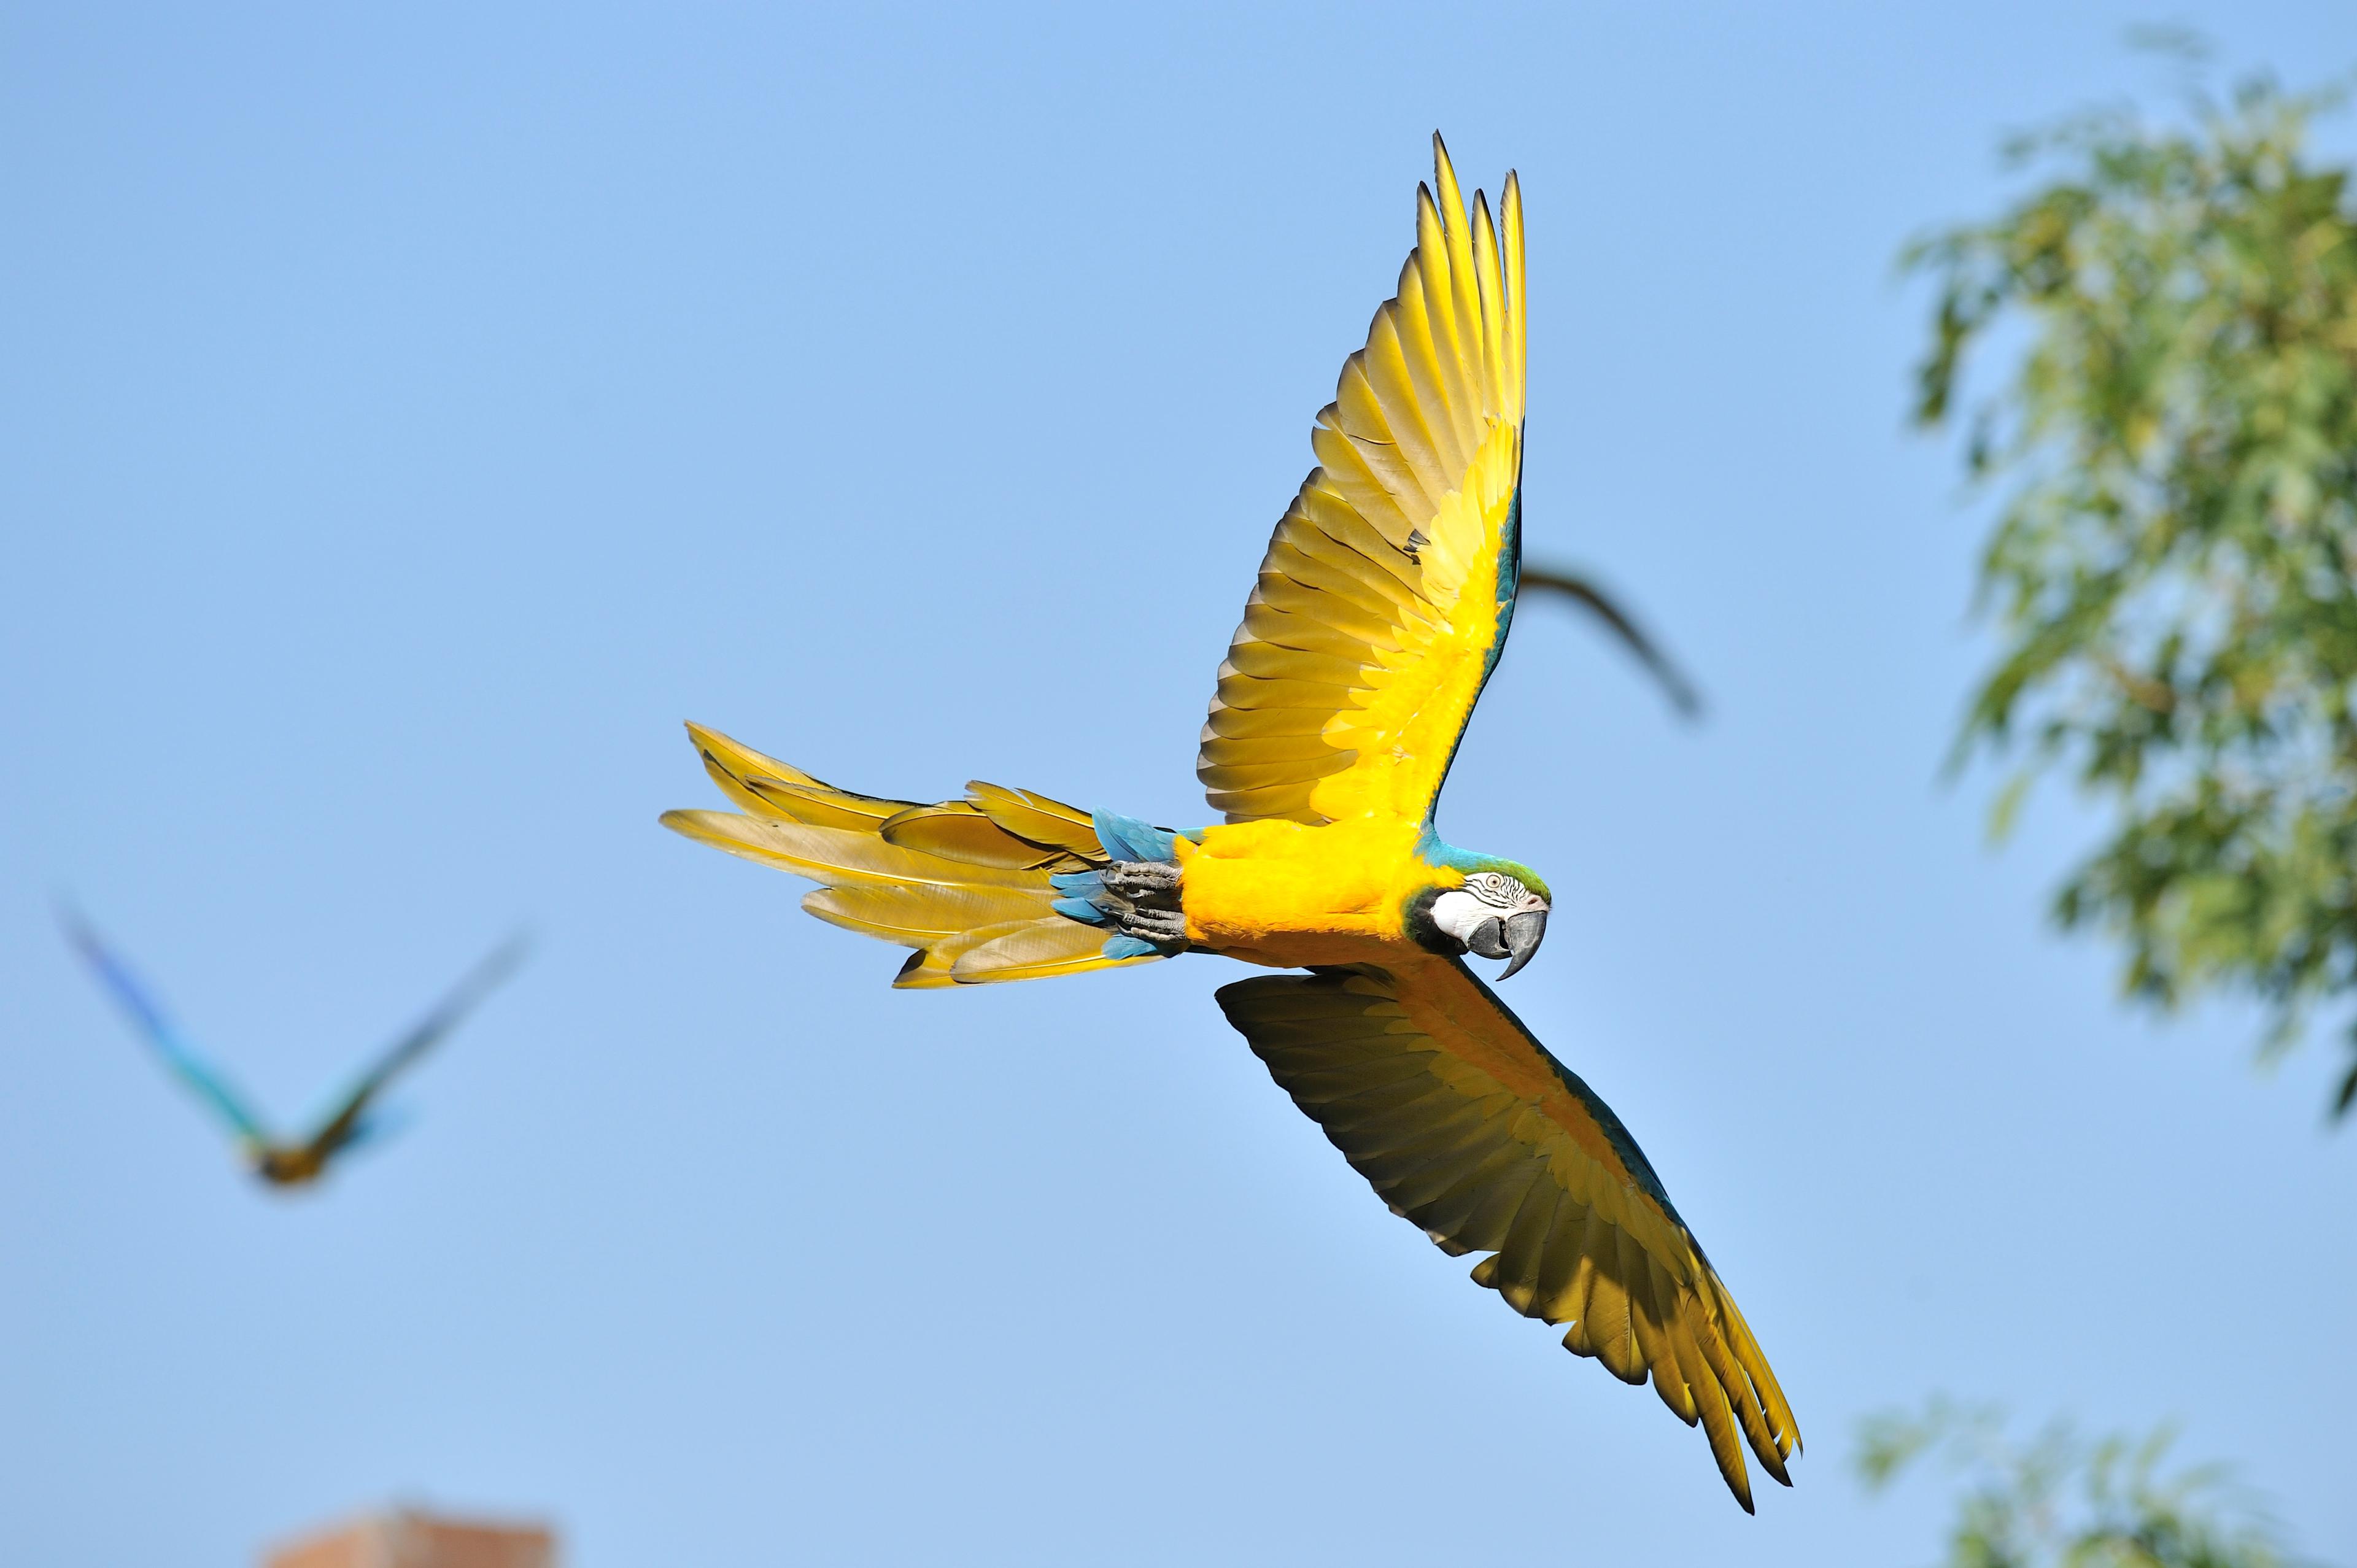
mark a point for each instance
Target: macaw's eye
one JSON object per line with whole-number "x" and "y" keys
{"x": 1494, "y": 887}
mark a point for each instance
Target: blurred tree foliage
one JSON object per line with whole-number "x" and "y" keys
{"x": 2174, "y": 568}
{"x": 2061, "y": 1501}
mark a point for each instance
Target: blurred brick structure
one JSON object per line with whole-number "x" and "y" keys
{"x": 405, "y": 1538}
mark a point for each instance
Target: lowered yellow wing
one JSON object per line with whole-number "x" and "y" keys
{"x": 1385, "y": 594}
{"x": 1437, "y": 1095}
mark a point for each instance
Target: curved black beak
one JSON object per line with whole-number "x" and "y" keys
{"x": 1489, "y": 939}
{"x": 1523, "y": 933}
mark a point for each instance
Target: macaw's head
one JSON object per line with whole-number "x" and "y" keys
{"x": 1498, "y": 911}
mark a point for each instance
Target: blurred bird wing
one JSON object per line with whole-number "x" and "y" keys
{"x": 342, "y": 1125}
{"x": 379, "y": 1123}
{"x": 1388, "y": 585}
{"x": 1580, "y": 591}
{"x": 162, "y": 1036}
{"x": 1437, "y": 1095}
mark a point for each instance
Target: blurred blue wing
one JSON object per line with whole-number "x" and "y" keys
{"x": 350, "y": 1119}
{"x": 160, "y": 1033}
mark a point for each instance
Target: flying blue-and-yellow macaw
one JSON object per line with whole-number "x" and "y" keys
{"x": 1381, "y": 608}
{"x": 281, "y": 1162}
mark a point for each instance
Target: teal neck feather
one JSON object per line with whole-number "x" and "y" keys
{"x": 1438, "y": 853}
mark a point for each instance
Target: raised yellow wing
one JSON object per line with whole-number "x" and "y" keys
{"x": 1437, "y": 1095}
{"x": 1384, "y": 597}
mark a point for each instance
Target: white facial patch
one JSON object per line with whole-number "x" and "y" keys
{"x": 1461, "y": 909}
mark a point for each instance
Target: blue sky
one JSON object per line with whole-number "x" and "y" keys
{"x": 414, "y": 415}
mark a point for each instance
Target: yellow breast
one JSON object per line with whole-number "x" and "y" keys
{"x": 1280, "y": 893}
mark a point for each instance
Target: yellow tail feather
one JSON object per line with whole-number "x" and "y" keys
{"x": 965, "y": 882}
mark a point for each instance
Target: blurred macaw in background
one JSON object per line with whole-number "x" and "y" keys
{"x": 285, "y": 1164}
{"x": 1381, "y": 604}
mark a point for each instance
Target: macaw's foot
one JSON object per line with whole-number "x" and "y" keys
{"x": 1145, "y": 899}
{"x": 1137, "y": 899}
{"x": 1160, "y": 927}
{"x": 1153, "y": 884}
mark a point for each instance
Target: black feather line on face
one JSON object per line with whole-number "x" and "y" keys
{"x": 1496, "y": 889}
{"x": 1422, "y": 930}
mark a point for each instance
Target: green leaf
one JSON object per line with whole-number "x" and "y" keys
{"x": 2171, "y": 574}
{"x": 2054, "y": 1500}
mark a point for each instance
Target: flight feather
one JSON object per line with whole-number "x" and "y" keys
{"x": 1388, "y": 585}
